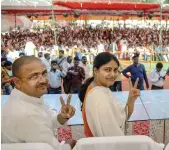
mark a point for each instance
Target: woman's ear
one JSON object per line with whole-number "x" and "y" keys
{"x": 17, "y": 82}
{"x": 94, "y": 72}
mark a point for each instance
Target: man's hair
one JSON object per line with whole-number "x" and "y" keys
{"x": 53, "y": 62}
{"x": 2, "y": 51}
{"x": 135, "y": 56}
{"x": 76, "y": 58}
{"x": 159, "y": 65}
{"x": 22, "y": 54}
{"x": 61, "y": 51}
{"x": 3, "y": 59}
{"x": 40, "y": 53}
{"x": 69, "y": 57}
{"x": 7, "y": 63}
{"x": 46, "y": 55}
{"x": 84, "y": 57}
{"x": 20, "y": 62}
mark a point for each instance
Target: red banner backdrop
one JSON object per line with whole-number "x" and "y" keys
{"x": 107, "y": 6}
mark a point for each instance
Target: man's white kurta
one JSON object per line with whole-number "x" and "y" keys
{"x": 30, "y": 48}
{"x": 105, "y": 114}
{"x": 27, "y": 119}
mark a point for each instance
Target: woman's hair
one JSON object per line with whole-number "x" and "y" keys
{"x": 100, "y": 60}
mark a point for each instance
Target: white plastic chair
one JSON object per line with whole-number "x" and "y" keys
{"x": 167, "y": 147}
{"x": 118, "y": 143}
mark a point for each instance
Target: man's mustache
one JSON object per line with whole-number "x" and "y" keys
{"x": 42, "y": 84}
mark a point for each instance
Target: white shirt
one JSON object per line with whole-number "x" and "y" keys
{"x": 154, "y": 78}
{"x": 60, "y": 61}
{"x": 47, "y": 63}
{"x": 86, "y": 69}
{"x": 30, "y": 49}
{"x": 27, "y": 119}
{"x": 104, "y": 113}
{"x": 100, "y": 48}
{"x": 55, "y": 79}
{"x": 10, "y": 73}
{"x": 66, "y": 66}
{"x": 12, "y": 56}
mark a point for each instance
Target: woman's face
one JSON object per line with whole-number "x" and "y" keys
{"x": 106, "y": 74}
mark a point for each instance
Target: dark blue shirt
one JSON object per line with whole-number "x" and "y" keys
{"x": 137, "y": 71}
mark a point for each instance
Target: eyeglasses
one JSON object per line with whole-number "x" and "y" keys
{"x": 36, "y": 76}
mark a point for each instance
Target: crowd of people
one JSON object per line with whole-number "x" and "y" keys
{"x": 67, "y": 74}
{"x": 81, "y": 44}
{"x": 74, "y": 40}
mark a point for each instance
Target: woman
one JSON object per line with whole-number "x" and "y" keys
{"x": 103, "y": 114}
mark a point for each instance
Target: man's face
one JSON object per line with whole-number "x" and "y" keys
{"x": 69, "y": 60}
{"x": 135, "y": 60}
{"x": 32, "y": 79}
{"x": 158, "y": 69}
{"x": 84, "y": 60}
{"x": 40, "y": 55}
{"x": 76, "y": 63}
{"x": 61, "y": 54}
{"x": 48, "y": 57}
{"x": 2, "y": 63}
{"x": 55, "y": 66}
{"x": 9, "y": 67}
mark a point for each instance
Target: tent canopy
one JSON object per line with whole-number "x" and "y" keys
{"x": 9, "y": 21}
{"x": 43, "y": 7}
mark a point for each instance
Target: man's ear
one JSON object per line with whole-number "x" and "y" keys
{"x": 17, "y": 82}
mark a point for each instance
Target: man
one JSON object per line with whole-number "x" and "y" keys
{"x": 86, "y": 68}
{"x": 60, "y": 60}
{"x": 113, "y": 47}
{"x": 100, "y": 47}
{"x": 3, "y": 54}
{"x": 136, "y": 70}
{"x": 157, "y": 77}
{"x": 76, "y": 75}
{"x": 55, "y": 79}
{"x": 124, "y": 45}
{"x": 30, "y": 48}
{"x": 67, "y": 64}
{"x": 3, "y": 60}
{"x": 66, "y": 81}
{"x": 6, "y": 78}
{"x": 25, "y": 118}
{"x": 12, "y": 54}
{"x": 40, "y": 55}
{"x": 47, "y": 61}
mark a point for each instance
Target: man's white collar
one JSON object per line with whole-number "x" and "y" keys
{"x": 22, "y": 96}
